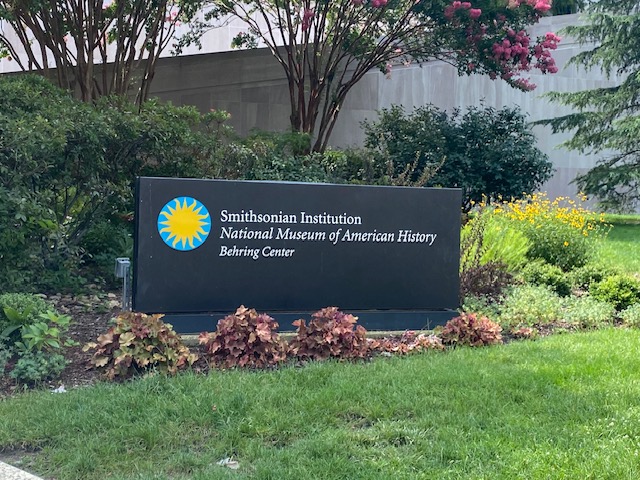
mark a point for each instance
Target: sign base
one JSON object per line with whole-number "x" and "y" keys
{"x": 372, "y": 320}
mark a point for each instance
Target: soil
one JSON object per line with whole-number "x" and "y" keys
{"x": 91, "y": 315}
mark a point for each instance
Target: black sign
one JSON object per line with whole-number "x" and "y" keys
{"x": 212, "y": 245}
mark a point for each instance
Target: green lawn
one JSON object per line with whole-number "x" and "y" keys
{"x": 566, "y": 406}
{"x": 622, "y": 248}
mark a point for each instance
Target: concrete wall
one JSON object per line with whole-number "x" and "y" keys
{"x": 251, "y": 86}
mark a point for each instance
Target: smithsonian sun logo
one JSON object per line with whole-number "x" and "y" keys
{"x": 184, "y": 223}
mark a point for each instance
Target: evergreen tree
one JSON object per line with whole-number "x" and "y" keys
{"x": 607, "y": 120}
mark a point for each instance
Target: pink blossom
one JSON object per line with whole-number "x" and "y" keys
{"x": 542, "y": 5}
{"x": 475, "y": 13}
{"x": 465, "y": 5}
{"x": 378, "y": 3}
{"x": 307, "y": 17}
{"x": 357, "y": 3}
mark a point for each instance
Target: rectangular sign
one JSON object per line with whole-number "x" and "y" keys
{"x": 212, "y": 245}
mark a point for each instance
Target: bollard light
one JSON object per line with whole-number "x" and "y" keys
{"x": 122, "y": 271}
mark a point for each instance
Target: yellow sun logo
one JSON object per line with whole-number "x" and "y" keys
{"x": 184, "y": 223}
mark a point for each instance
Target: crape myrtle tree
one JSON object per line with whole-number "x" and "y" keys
{"x": 326, "y": 46}
{"x": 607, "y": 120}
{"x": 97, "y": 47}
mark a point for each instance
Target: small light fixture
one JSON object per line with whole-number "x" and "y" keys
{"x": 122, "y": 271}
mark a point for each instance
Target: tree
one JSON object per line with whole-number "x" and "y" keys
{"x": 488, "y": 153}
{"x": 97, "y": 47}
{"x": 326, "y": 46}
{"x": 607, "y": 120}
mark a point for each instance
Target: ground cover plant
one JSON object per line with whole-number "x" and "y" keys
{"x": 563, "y": 406}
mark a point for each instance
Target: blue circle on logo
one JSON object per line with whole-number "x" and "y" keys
{"x": 184, "y": 223}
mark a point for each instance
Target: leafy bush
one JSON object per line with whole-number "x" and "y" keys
{"x": 583, "y": 277}
{"x": 539, "y": 273}
{"x": 65, "y": 165}
{"x": 588, "y": 312}
{"x": 499, "y": 241}
{"x": 48, "y": 334}
{"x": 561, "y": 232}
{"x": 106, "y": 240}
{"x": 631, "y": 315}
{"x": 138, "y": 343}
{"x": 37, "y": 366}
{"x": 481, "y": 305}
{"x": 486, "y": 152}
{"x": 504, "y": 243}
{"x": 245, "y": 339}
{"x": 468, "y": 329}
{"x": 330, "y": 333}
{"x": 528, "y": 305}
{"x": 18, "y": 309}
{"x": 621, "y": 291}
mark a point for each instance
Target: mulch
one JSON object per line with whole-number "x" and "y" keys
{"x": 91, "y": 315}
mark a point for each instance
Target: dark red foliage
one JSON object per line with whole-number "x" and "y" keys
{"x": 245, "y": 339}
{"x": 330, "y": 333}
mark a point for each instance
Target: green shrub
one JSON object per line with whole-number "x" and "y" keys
{"x": 138, "y": 343}
{"x": 467, "y": 329}
{"x": 104, "y": 241}
{"x": 18, "y": 309}
{"x": 561, "y": 232}
{"x": 504, "y": 243}
{"x": 48, "y": 334}
{"x": 330, "y": 333}
{"x": 631, "y": 315}
{"x": 245, "y": 339}
{"x": 583, "y": 277}
{"x": 501, "y": 242}
{"x": 484, "y": 151}
{"x": 529, "y": 305}
{"x": 537, "y": 273}
{"x": 621, "y": 291}
{"x": 66, "y": 165}
{"x": 36, "y": 366}
{"x": 481, "y": 305}
{"x": 588, "y": 312}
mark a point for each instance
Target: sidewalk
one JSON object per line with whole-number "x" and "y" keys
{"x": 7, "y": 472}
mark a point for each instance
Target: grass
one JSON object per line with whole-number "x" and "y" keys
{"x": 622, "y": 219}
{"x": 562, "y": 407}
{"x": 622, "y": 248}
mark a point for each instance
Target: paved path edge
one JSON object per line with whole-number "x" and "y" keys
{"x": 7, "y": 472}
